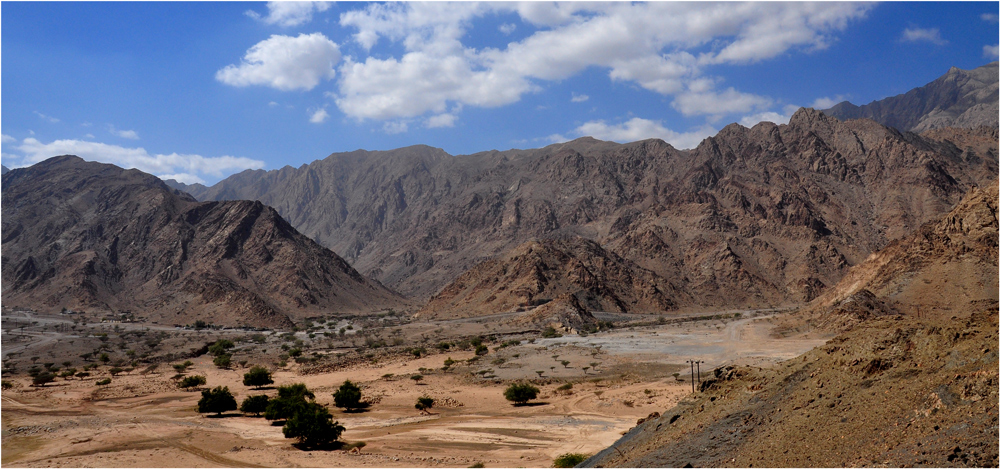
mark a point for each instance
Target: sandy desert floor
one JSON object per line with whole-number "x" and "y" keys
{"x": 145, "y": 421}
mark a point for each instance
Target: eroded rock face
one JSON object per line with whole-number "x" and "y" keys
{"x": 94, "y": 236}
{"x": 959, "y": 98}
{"x": 752, "y": 217}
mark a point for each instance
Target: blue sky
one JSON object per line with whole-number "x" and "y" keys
{"x": 200, "y": 90}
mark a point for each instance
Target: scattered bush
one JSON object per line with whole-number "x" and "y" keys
{"x": 42, "y": 378}
{"x": 255, "y": 405}
{"x": 223, "y": 361}
{"x": 216, "y": 400}
{"x": 258, "y": 376}
{"x": 424, "y": 404}
{"x": 482, "y": 349}
{"x": 569, "y": 460}
{"x": 192, "y": 381}
{"x": 550, "y": 333}
{"x": 520, "y": 393}
{"x": 312, "y": 425}
{"x": 565, "y": 387}
{"x": 220, "y": 346}
{"x": 417, "y": 378}
{"x": 348, "y": 397}
{"x": 103, "y": 382}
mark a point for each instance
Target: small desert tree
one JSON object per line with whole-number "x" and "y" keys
{"x": 312, "y": 425}
{"x": 417, "y": 378}
{"x": 223, "y": 361}
{"x": 520, "y": 393}
{"x": 348, "y": 397}
{"x": 289, "y": 397}
{"x": 220, "y": 346}
{"x": 216, "y": 400}
{"x": 258, "y": 376}
{"x": 424, "y": 404}
{"x": 192, "y": 381}
{"x": 254, "y": 405}
{"x": 42, "y": 378}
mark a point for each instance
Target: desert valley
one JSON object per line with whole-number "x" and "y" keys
{"x": 813, "y": 294}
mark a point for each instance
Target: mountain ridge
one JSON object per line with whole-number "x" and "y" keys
{"x": 86, "y": 235}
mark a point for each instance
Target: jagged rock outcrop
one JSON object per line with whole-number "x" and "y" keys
{"x": 752, "y": 217}
{"x": 942, "y": 269}
{"x": 960, "y": 98}
{"x": 94, "y": 236}
{"x": 573, "y": 273}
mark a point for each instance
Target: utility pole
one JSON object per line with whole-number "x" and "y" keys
{"x": 692, "y": 374}
{"x": 698, "y": 363}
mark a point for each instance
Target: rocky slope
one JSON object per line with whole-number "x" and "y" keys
{"x": 946, "y": 268}
{"x": 575, "y": 272}
{"x": 893, "y": 393}
{"x": 960, "y": 98}
{"x": 96, "y": 237}
{"x": 920, "y": 377}
{"x": 751, "y": 217}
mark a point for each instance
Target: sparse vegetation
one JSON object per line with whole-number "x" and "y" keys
{"x": 258, "y": 377}
{"x": 103, "y": 382}
{"x": 424, "y": 404}
{"x": 569, "y": 460}
{"x": 192, "y": 381}
{"x": 520, "y": 393}
{"x": 216, "y": 400}
{"x": 348, "y": 397}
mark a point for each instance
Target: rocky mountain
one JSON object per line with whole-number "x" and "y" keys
{"x": 575, "y": 272}
{"x": 751, "y": 217}
{"x": 946, "y": 268}
{"x": 3, "y": 169}
{"x": 924, "y": 381}
{"x": 960, "y": 98}
{"x": 94, "y": 236}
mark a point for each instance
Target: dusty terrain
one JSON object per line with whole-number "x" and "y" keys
{"x": 618, "y": 377}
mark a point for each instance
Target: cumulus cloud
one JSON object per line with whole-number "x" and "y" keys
{"x": 507, "y": 28}
{"x": 640, "y": 129}
{"x": 190, "y": 167}
{"x": 396, "y": 127}
{"x": 713, "y": 103}
{"x": 128, "y": 134}
{"x": 827, "y": 102}
{"x": 579, "y": 98}
{"x": 441, "y": 120}
{"x": 770, "y": 116}
{"x": 285, "y": 63}
{"x": 931, "y": 35}
{"x": 991, "y": 52}
{"x": 46, "y": 118}
{"x": 319, "y": 117}
{"x": 289, "y": 14}
{"x": 4, "y": 138}
{"x": 653, "y": 45}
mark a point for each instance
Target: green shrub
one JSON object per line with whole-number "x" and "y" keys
{"x": 223, "y": 361}
{"x": 192, "y": 381}
{"x": 520, "y": 393}
{"x": 569, "y": 460}
{"x": 348, "y": 397}
{"x": 254, "y": 405}
{"x": 257, "y": 377}
{"x": 103, "y": 382}
{"x": 216, "y": 400}
{"x": 424, "y": 403}
{"x": 312, "y": 425}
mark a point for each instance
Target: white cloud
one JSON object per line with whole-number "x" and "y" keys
{"x": 289, "y": 14}
{"x": 129, "y": 134}
{"x": 991, "y": 52}
{"x": 579, "y": 98}
{"x": 441, "y": 120}
{"x": 507, "y": 28}
{"x": 932, "y": 35}
{"x": 770, "y": 116}
{"x": 285, "y": 63}
{"x": 640, "y": 129}
{"x": 272, "y": 104}
{"x": 46, "y": 118}
{"x": 4, "y": 138}
{"x": 396, "y": 127}
{"x": 827, "y": 102}
{"x": 717, "y": 104}
{"x": 649, "y": 44}
{"x": 195, "y": 166}
{"x": 990, "y": 17}
{"x": 90, "y": 136}
{"x": 319, "y": 117}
